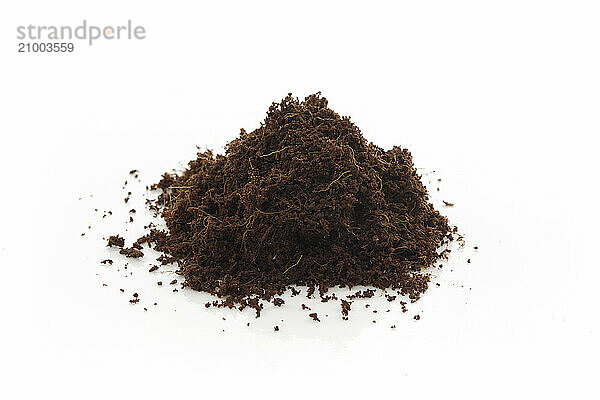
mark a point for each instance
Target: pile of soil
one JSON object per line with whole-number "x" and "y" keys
{"x": 302, "y": 200}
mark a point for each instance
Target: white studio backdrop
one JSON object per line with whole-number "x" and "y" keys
{"x": 500, "y": 99}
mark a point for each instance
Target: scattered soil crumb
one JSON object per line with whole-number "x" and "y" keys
{"x": 345, "y": 309}
{"x": 131, "y": 253}
{"x": 116, "y": 241}
{"x": 364, "y": 294}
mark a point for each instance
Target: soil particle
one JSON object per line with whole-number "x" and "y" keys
{"x": 107, "y": 261}
{"x": 164, "y": 259}
{"x": 325, "y": 299}
{"x": 116, "y": 241}
{"x": 153, "y": 268}
{"x": 345, "y": 308}
{"x": 131, "y": 253}
{"x": 314, "y": 316}
{"x": 417, "y": 317}
{"x": 403, "y": 304}
{"x": 448, "y": 204}
{"x": 173, "y": 282}
{"x": 278, "y": 302}
{"x": 276, "y": 328}
{"x": 364, "y": 294}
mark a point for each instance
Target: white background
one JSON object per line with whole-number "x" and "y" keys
{"x": 501, "y": 99}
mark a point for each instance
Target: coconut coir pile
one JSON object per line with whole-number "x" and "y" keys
{"x": 302, "y": 200}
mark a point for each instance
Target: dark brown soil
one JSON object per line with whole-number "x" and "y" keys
{"x": 314, "y": 316}
{"x": 345, "y": 308}
{"x": 131, "y": 252}
{"x": 116, "y": 241}
{"x": 302, "y": 200}
{"x": 364, "y": 294}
